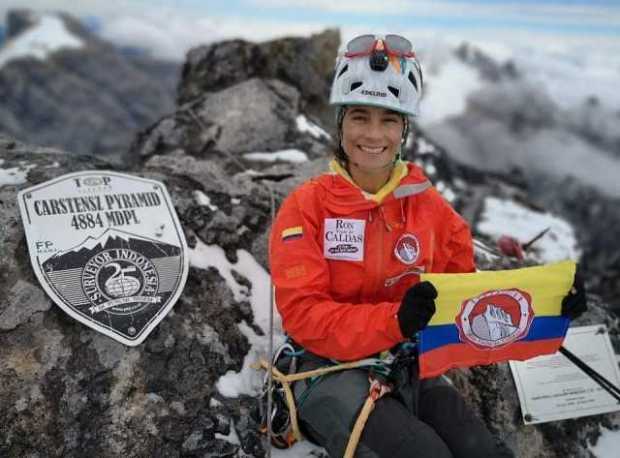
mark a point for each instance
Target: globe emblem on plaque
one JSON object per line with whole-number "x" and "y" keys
{"x": 120, "y": 281}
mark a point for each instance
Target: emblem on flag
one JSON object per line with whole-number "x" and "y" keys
{"x": 495, "y": 318}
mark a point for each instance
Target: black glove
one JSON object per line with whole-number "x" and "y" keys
{"x": 575, "y": 303}
{"x": 416, "y": 308}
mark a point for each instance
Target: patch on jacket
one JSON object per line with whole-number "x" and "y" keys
{"x": 292, "y": 233}
{"x": 407, "y": 249}
{"x": 343, "y": 239}
{"x": 295, "y": 271}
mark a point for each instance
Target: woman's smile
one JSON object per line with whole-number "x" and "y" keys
{"x": 373, "y": 150}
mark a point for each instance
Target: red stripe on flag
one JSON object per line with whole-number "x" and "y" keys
{"x": 436, "y": 362}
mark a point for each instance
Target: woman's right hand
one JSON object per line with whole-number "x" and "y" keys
{"x": 416, "y": 308}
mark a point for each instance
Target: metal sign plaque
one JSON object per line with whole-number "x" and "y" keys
{"x": 552, "y": 388}
{"x": 108, "y": 248}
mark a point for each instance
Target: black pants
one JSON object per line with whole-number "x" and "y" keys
{"x": 438, "y": 424}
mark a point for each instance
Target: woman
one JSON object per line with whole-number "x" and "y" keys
{"x": 346, "y": 252}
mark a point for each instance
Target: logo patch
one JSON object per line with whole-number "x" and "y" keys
{"x": 407, "y": 249}
{"x": 495, "y": 318}
{"x": 108, "y": 249}
{"x": 343, "y": 239}
{"x": 374, "y": 93}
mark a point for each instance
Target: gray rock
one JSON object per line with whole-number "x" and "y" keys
{"x": 304, "y": 63}
{"x": 487, "y": 67}
{"x": 17, "y": 21}
{"x": 220, "y": 126}
{"x": 22, "y": 302}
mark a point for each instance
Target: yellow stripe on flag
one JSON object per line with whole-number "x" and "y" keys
{"x": 546, "y": 284}
{"x": 292, "y": 231}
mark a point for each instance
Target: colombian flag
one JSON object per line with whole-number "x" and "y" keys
{"x": 490, "y": 317}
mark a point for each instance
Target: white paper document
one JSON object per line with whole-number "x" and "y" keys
{"x": 552, "y": 388}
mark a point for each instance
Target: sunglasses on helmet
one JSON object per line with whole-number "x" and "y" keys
{"x": 393, "y": 45}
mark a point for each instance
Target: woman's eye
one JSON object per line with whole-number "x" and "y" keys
{"x": 390, "y": 120}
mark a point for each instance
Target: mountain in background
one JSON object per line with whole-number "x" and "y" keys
{"x": 548, "y": 116}
{"x": 62, "y": 86}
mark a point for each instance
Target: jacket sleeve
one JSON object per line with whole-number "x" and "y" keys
{"x": 459, "y": 246}
{"x": 301, "y": 277}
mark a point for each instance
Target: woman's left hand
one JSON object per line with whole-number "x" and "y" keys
{"x": 575, "y": 302}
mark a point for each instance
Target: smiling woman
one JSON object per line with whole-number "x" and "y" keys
{"x": 346, "y": 252}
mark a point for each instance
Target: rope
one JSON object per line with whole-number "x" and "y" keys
{"x": 270, "y": 365}
{"x": 354, "y": 438}
{"x": 377, "y": 389}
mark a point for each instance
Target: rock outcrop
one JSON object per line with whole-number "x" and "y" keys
{"x": 305, "y": 64}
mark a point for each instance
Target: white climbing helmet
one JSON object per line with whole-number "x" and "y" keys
{"x": 380, "y": 71}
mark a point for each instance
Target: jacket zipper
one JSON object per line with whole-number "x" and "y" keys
{"x": 381, "y": 262}
{"x": 413, "y": 271}
{"x": 382, "y": 230}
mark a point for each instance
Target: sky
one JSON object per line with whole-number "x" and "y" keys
{"x": 170, "y": 28}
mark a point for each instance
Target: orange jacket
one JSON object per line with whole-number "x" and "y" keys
{"x": 341, "y": 259}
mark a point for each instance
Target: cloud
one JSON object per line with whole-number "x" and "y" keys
{"x": 531, "y": 13}
{"x": 169, "y": 34}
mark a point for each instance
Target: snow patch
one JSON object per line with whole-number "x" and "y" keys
{"x": 430, "y": 169}
{"x": 425, "y": 147}
{"x": 287, "y": 155}
{"x": 39, "y": 42}
{"x": 15, "y": 175}
{"x": 506, "y": 217}
{"x": 202, "y": 199}
{"x": 232, "y": 436}
{"x": 607, "y": 444}
{"x": 248, "y": 380}
{"x": 303, "y": 125}
{"x": 448, "y": 194}
{"x": 205, "y": 256}
{"x": 303, "y": 449}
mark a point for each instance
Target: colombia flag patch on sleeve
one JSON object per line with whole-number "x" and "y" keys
{"x": 292, "y": 233}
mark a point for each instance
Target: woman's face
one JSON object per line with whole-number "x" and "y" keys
{"x": 371, "y": 136}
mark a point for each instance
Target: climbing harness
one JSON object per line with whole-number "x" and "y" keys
{"x": 280, "y": 418}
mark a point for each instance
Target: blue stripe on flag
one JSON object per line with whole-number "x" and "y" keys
{"x": 544, "y": 327}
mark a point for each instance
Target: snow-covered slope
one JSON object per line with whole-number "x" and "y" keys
{"x": 50, "y": 35}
